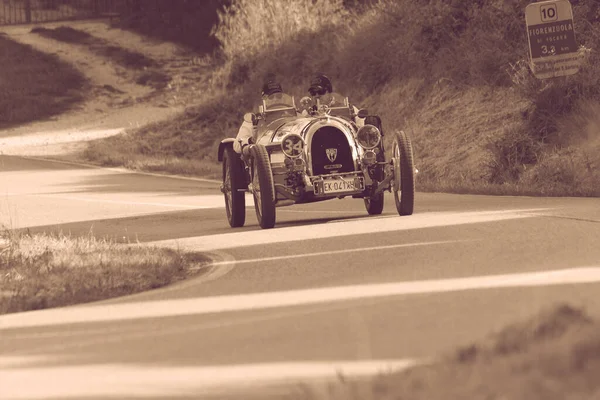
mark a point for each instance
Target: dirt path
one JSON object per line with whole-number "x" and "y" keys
{"x": 116, "y": 102}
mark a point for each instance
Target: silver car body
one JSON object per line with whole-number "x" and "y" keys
{"x": 331, "y": 162}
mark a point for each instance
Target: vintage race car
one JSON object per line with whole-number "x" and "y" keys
{"x": 323, "y": 153}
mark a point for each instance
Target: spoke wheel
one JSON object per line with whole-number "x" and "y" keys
{"x": 233, "y": 181}
{"x": 263, "y": 188}
{"x": 403, "y": 184}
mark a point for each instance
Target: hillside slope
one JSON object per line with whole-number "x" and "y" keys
{"x": 453, "y": 75}
{"x": 118, "y": 95}
{"x": 35, "y": 85}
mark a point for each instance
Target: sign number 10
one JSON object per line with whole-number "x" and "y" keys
{"x": 549, "y": 12}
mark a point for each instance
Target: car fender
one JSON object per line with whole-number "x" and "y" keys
{"x": 223, "y": 145}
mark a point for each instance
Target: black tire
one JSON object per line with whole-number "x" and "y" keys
{"x": 374, "y": 205}
{"x": 403, "y": 184}
{"x": 234, "y": 179}
{"x": 263, "y": 188}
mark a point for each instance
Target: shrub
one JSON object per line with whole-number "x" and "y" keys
{"x": 255, "y": 33}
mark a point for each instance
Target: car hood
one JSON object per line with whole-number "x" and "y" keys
{"x": 275, "y": 131}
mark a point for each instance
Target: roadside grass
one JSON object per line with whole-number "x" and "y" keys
{"x": 35, "y": 86}
{"x": 455, "y": 78}
{"x": 147, "y": 71}
{"x": 167, "y": 164}
{"x": 555, "y": 355}
{"x": 54, "y": 270}
{"x": 138, "y": 150}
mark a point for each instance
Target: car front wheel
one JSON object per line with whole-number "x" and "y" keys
{"x": 234, "y": 183}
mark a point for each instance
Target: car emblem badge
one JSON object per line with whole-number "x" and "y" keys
{"x": 331, "y": 154}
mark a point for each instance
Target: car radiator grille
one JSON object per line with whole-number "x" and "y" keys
{"x": 330, "y": 152}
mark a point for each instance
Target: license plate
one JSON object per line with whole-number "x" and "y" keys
{"x": 339, "y": 186}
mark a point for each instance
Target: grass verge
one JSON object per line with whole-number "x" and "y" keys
{"x": 35, "y": 85}
{"x": 131, "y": 151}
{"x": 148, "y": 71}
{"x": 44, "y": 271}
{"x": 555, "y": 355}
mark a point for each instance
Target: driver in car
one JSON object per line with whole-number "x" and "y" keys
{"x": 320, "y": 87}
{"x": 248, "y": 128}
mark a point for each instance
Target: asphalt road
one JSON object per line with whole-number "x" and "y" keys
{"x": 329, "y": 288}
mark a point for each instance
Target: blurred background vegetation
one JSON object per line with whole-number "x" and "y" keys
{"x": 34, "y": 85}
{"x": 454, "y": 74}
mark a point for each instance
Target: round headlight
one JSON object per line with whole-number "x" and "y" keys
{"x": 292, "y": 145}
{"x": 368, "y": 136}
{"x": 369, "y": 157}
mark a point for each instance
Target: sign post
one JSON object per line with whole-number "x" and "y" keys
{"x": 551, "y": 36}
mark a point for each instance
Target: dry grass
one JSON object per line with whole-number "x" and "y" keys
{"x": 555, "y": 355}
{"x": 248, "y": 40}
{"x": 145, "y": 150}
{"x": 453, "y": 76}
{"x": 35, "y": 85}
{"x": 44, "y": 271}
{"x": 97, "y": 153}
{"x": 187, "y": 22}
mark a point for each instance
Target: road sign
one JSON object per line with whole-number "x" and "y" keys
{"x": 551, "y": 36}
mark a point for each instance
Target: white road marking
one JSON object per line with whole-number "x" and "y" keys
{"x": 21, "y": 361}
{"x": 8, "y": 143}
{"x": 120, "y": 380}
{"x": 100, "y": 334}
{"x": 133, "y": 334}
{"x": 200, "y": 201}
{"x": 219, "y": 269}
{"x": 261, "y": 301}
{"x": 121, "y": 170}
{"x": 216, "y": 270}
{"x": 15, "y": 208}
{"x": 123, "y": 202}
{"x": 340, "y": 229}
{"x": 330, "y": 253}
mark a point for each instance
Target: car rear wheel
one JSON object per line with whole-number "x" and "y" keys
{"x": 234, "y": 181}
{"x": 374, "y": 204}
{"x": 403, "y": 183}
{"x": 263, "y": 188}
